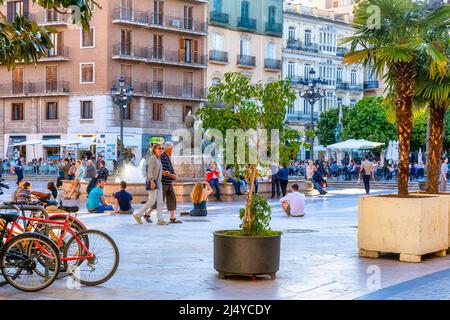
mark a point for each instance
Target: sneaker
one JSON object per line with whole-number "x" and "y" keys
{"x": 138, "y": 218}
{"x": 163, "y": 222}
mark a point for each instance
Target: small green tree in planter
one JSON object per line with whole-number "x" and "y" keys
{"x": 255, "y": 249}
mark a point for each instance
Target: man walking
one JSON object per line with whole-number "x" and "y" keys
{"x": 18, "y": 169}
{"x": 153, "y": 186}
{"x": 367, "y": 173}
{"x": 443, "y": 176}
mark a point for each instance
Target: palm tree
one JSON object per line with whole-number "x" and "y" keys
{"x": 395, "y": 45}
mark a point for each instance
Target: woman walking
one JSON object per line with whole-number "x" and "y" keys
{"x": 443, "y": 176}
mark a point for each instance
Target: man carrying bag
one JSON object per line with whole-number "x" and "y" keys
{"x": 153, "y": 185}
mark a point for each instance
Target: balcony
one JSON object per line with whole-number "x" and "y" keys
{"x": 342, "y": 85}
{"x": 57, "y": 54}
{"x": 274, "y": 29}
{"x": 50, "y": 18}
{"x": 295, "y": 44}
{"x": 246, "y": 61}
{"x": 310, "y": 47}
{"x": 301, "y": 117}
{"x": 272, "y": 64}
{"x": 129, "y": 52}
{"x": 159, "y": 89}
{"x": 220, "y": 57}
{"x": 295, "y": 81}
{"x": 217, "y": 17}
{"x": 178, "y": 24}
{"x": 356, "y": 87}
{"x": 374, "y": 84}
{"x": 341, "y": 51}
{"x": 247, "y": 24}
{"x": 130, "y": 16}
{"x": 160, "y": 55}
{"x": 20, "y": 89}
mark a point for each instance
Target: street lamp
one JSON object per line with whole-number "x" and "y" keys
{"x": 312, "y": 94}
{"x": 121, "y": 97}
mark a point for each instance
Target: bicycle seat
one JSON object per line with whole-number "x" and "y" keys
{"x": 9, "y": 216}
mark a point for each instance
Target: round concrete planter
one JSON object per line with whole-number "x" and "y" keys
{"x": 249, "y": 256}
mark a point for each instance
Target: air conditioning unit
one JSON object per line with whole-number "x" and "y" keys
{"x": 176, "y": 23}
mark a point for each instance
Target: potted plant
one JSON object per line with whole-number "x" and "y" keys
{"x": 409, "y": 225}
{"x": 246, "y": 110}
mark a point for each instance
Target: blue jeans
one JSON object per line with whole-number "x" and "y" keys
{"x": 237, "y": 185}
{"x": 317, "y": 186}
{"x": 102, "y": 209}
{"x": 215, "y": 182}
{"x": 19, "y": 173}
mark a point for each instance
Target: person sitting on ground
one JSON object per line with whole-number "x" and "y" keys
{"x": 199, "y": 198}
{"x": 122, "y": 200}
{"x": 294, "y": 203}
{"x": 96, "y": 202}
{"x": 319, "y": 181}
{"x": 23, "y": 194}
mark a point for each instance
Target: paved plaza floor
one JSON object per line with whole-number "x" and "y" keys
{"x": 319, "y": 259}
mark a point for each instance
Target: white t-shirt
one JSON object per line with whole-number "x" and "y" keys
{"x": 296, "y": 202}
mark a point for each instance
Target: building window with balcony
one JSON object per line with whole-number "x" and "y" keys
{"x": 328, "y": 72}
{"x": 189, "y": 51}
{"x": 188, "y": 80}
{"x": 51, "y": 111}
{"x": 88, "y": 38}
{"x": 306, "y": 107}
{"x": 87, "y": 73}
{"x": 158, "y": 46}
{"x": 157, "y": 112}
{"x": 158, "y": 12}
{"x": 353, "y": 78}
{"x": 245, "y": 6}
{"x": 125, "y": 42}
{"x": 51, "y": 79}
{"x": 57, "y": 40}
{"x": 52, "y": 15}
{"x": 339, "y": 74}
{"x": 188, "y": 17}
{"x": 186, "y": 110}
{"x": 128, "y": 111}
{"x": 17, "y": 8}
{"x": 327, "y": 41}
{"x": 307, "y": 68}
{"x": 308, "y": 38}
{"x": 291, "y": 35}
{"x": 17, "y": 112}
{"x": 291, "y": 70}
{"x": 87, "y": 110}
{"x": 158, "y": 81}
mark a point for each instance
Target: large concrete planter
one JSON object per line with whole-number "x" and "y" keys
{"x": 248, "y": 256}
{"x": 412, "y": 226}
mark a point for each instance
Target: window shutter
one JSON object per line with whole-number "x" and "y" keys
{"x": 60, "y": 43}
{"x": 196, "y": 51}
{"x": 26, "y": 7}
{"x": 182, "y": 50}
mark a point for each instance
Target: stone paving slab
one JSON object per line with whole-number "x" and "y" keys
{"x": 319, "y": 258}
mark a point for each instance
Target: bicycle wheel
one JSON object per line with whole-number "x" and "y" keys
{"x": 21, "y": 257}
{"x": 101, "y": 266}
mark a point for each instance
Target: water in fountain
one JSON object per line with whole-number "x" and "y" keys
{"x": 131, "y": 174}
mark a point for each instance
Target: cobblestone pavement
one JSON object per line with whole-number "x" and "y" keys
{"x": 319, "y": 259}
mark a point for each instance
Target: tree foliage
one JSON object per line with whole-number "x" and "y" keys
{"x": 23, "y": 41}
{"x": 251, "y": 107}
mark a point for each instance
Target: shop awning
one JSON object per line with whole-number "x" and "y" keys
{"x": 60, "y": 142}
{"x": 351, "y": 144}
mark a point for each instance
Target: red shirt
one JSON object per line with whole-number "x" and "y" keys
{"x": 211, "y": 173}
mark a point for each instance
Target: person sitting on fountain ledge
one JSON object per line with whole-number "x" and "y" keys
{"x": 96, "y": 202}
{"x": 212, "y": 177}
{"x": 122, "y": 200}
{"x": 294, "y": 203}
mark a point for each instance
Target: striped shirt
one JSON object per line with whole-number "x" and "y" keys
{"x": 167, "y": 165}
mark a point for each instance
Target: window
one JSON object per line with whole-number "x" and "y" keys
{"x": 328, "y": 72}
{"x": 306, "y": 107}
{"x": 16, "y": 8}
{"x": 87, "y": 73}
{"x": 352, "y": 103}
{"x": 186, "y": 110}
{"x": 52, "y": 15}
{"x": 291, "y": 70}
{"x": 291, "y": 35}
{"x": 157, "y": 47}
{"x": 245, "y": 10}
{"x": 17, "y": 80}
{"x": 158, "y": 9}
{"x": 126, "y": 9}
{"x": 158, "y": 81}
{"x": 188, "y": 90}
{"x": 215, "y": 81}
{"x": 307, "y": 69}
{"x": 218, "y": 5}
{"x": 51, "y": 111}
{"x": 87, "y": 110}
{"x": 157, "y": 112}
{"x": 244, "y": 47}
{"x": 189, "y": 50}
{"x": 188, "y": 17}
{"x": 271, "y": 50}
{"x": 51, "y": 78}
{"x": 88, "y": 38}
{"x": 327, "y": 40}
{"x": 308, "y": 38}
{"x": 57, "y": 40}
{"x": 127, "y": 111}
{"x": 125, "y": 42}
{"x": 272, "y": 11}
{"x": 353, "y": 78}
{"x": 339, "y": 78}
{"x": 17, "y": 112}
{"x": 217, "y": 41}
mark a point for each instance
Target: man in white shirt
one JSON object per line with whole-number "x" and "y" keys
{"x": 294, "y": 203}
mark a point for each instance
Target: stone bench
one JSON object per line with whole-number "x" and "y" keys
{"x": 183, "y": 190}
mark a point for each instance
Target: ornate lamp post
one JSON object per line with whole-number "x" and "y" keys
{"x": 121, "y": 98}
{"x": 312, "y": 94}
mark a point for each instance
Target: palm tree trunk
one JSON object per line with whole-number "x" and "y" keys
{"x": 404, "y": 89}
{"x": 435, "y": 142}
{"x": 248, "y": 220}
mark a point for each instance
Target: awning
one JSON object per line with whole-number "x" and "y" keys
{"x": 60, "y": 142}
{"x": 355, "y": 144}
{"x": 28, "y": 143}
{"x": 131, "y": 141}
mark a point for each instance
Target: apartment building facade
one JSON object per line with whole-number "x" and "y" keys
{"x": 159, "y": 47}
{"x": 311, "y": 41}
{"x": 245, "y": 36}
